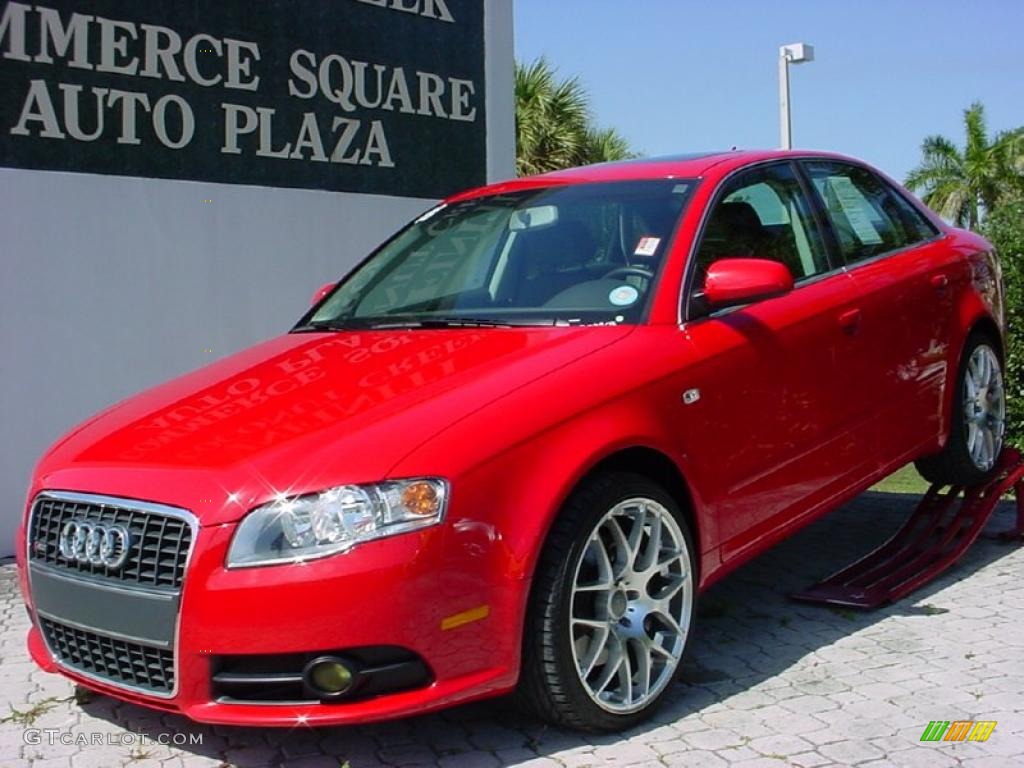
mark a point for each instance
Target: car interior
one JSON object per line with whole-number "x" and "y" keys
{"x": 579, "y": 260}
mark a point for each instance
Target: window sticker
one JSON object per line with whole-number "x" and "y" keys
{"x": 855, "y": 209}
{"x": 623, "y": 296}
{"x": 647, "y": 246}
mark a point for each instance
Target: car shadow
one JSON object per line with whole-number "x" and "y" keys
{"x": 748, "y": 632}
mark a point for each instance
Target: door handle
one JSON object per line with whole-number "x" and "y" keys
{"x": 940, "y": 283}
{"x": 849, "y": 321}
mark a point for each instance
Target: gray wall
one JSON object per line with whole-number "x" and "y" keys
{"x": 112, "y": 284}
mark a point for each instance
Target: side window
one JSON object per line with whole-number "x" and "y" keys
{"x": 764, "y": 214}
{"x": 868, "y": 216}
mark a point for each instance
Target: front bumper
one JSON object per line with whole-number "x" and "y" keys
{"x": 402, "y": 591}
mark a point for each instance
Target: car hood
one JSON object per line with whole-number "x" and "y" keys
{"x": 302, "y": 412}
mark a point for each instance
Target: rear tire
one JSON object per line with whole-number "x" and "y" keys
{"x": 611, "y": 606}
{"x": 978, "y": 421}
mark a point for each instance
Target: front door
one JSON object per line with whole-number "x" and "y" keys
{"x": 774, "y": 377}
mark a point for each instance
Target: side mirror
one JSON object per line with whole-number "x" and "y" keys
{"x": 730, "y": 282}
{"x": 322, "y": 291}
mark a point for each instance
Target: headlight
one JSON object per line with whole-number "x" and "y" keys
{"x": 319, "y": 524}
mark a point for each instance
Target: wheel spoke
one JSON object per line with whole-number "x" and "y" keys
{"x": 623, "y": 554}
{"x": 597, "y": 587}
{"x": 626, "y": 677}
{"x": 972, "y": 438}
{"x": 970, "y": 385}
{"x": 658, "y": 648}
{"x": 604, "y": 563}
{"x": 597, "y": 643}
{"x": 670, "y": 559}
{"x": 636, "y": 536}
{"x": 611, "y": 668}
{"x": 649, "y": 557}
{"x": 673, "y": 626}
{"x": 643, "y": 672}
{"x": 590, "y": 623}
{"x": 989, "y": 446}
{"x": 996, "y": 404}
{"x": 605, "y": 572}
{"x": 670, "y": 590}
{"x": 977, "y": 366}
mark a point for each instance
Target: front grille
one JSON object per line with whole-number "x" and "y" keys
{"x": 160, "y": 543}
{"x": 119, "y": 661}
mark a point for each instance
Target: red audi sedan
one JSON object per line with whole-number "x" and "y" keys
{"x": 509, "y": 450}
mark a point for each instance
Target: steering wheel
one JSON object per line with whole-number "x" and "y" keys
{"x": 646, "y": 274}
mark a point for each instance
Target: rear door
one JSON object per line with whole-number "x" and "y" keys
{"x": 903, "y": 271}
{"x": 774, "y": 377}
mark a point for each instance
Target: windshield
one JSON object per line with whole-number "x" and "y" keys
{"x": 586, "y": 253}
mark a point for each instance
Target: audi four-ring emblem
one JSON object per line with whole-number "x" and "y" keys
{"x": 95, "y": 543}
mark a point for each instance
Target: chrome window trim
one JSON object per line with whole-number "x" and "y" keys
{"x": 127, "y": 504}
{"x": 852, "y": 266}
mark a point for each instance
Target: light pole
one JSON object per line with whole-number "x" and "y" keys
{"x": 794, "y": 53}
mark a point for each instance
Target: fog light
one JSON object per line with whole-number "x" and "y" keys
{"x": 329, "y": 676}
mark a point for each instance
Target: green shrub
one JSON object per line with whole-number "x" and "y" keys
{"x": 1005, "y": 228}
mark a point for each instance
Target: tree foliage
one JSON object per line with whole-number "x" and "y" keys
{"x": 981, "y": 186}
{"x": 1005, "y": 228}
{"x": 961, "y": 185}
{"x": 554, "y": 125}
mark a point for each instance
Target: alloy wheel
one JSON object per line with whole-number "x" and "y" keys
{"x": 984, "y": 407}
{"x": 630, "y": 605}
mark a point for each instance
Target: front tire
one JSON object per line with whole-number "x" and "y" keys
{"x": 978, "y": 421}
{"x": 611, "y": 606}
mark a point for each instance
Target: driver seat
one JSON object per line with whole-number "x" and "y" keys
{"x": 544, "y": 262}
{"x": 734, "y": 229}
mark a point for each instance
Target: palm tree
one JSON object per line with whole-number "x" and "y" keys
{"x": 603, "y": 145}
{"x": 962, "y": 185}
{"x": 554, "y": 126}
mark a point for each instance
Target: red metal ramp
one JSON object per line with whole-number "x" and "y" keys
{"x": 944, "y": 525}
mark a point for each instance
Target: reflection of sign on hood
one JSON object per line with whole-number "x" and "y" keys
{"x": 223, "y": 93}
{"x": 289, "y": 395}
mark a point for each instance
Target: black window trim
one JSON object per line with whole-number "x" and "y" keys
{"x": 840, "y": 258}
{"x": 687, "y": 311}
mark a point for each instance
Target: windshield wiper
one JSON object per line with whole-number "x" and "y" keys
{"x": 320, "y": 326}
{"x": 458, "y": 322}
{"x": 386, "y": 323}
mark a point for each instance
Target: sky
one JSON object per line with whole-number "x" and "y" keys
{"x": 686, "y": 75}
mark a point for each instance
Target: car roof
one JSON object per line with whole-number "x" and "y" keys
{"x": 688, "y": 166}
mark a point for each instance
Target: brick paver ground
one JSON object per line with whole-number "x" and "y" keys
{"x": 768, "y": 682}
